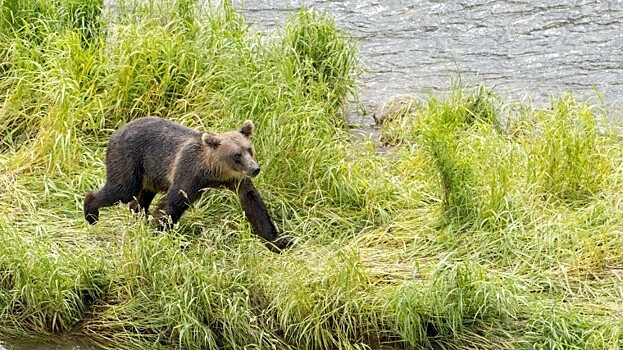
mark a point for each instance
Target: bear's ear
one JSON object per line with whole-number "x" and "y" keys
{"x": 247, "y": 128}
{"x": 210, "y": 139}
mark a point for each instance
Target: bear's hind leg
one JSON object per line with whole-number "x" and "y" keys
{"x": 91, "y": 208}
{"x": 105, "y": 197}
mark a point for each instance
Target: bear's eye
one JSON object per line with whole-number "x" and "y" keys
{"x": 237, "y": 157}
{"x": 250, "y": 150}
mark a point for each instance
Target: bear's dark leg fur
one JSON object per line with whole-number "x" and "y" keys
{"x": 171, "y": 207}
{"x": 105, "y": 197}
{"x": 142, "y": 201}
{"x": 257, "y": 214}
{"x": 91, "y": 210}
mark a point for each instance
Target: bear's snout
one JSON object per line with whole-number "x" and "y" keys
{"x": 255, "y": 172}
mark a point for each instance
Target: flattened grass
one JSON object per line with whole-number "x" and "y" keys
{"x": 478, "y": 230}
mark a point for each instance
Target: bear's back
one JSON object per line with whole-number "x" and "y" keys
{"x": 151, "y": 133}
{"x": 150, "y": 144}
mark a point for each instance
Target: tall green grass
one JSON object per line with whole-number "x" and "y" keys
{"x": 489, "y": 225}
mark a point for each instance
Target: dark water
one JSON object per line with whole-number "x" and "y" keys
{"x": 520, "y": 48}
{"x": 49, "y": 344}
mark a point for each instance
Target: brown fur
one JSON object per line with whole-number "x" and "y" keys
{"x": 151, "y": 155}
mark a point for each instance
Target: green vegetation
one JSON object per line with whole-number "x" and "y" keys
{"x": 471, "y": 234}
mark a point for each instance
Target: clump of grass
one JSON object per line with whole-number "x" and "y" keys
{"x": 320, "y": 55}
{"x": 46, "y": 83}
{"x": 558, "y": 326}
{"x": 567, "y": 157}
{"x": 457, "y": 296}
{"x": 45, "y": 288}
{"x": 86, "y": 17}
{"x": 154, "y": 70}
{"x": 34, "y": 20}
{"x": 169, "y": 296}
{"x": 323, "y": 304}
{"x": 452, "y": 132}
{"x": 27, "y": 19}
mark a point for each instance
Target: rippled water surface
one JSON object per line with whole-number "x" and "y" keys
{"x": 521, "y": 48}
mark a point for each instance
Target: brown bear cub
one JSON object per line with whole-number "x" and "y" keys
{"x": 151, "y": 155}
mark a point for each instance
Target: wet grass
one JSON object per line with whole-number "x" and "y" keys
{"x": 490, "y": 225}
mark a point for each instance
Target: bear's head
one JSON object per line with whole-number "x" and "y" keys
{"x": 232, "y": 152}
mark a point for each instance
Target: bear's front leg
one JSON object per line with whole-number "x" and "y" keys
{"x": 170, "y": 208}
{"x": 257, "y": 214}
{"x": 142, "y": 201}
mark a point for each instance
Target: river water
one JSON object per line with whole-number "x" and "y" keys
{"x": 522, "y": 49}
{"x": 56, "y": 343}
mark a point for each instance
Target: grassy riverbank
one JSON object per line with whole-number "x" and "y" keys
{"x": 468, "y": 234}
